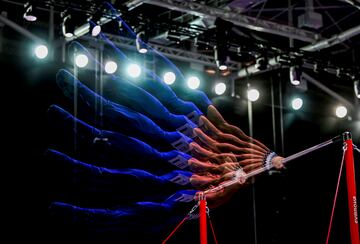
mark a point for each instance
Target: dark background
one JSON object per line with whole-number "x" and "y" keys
{"x": 292, "y": 206}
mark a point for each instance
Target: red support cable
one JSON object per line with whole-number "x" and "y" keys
{"x": 213, "y": 231}
{"x": 335, "y": 198}
{"x": 203, "y": 225}
{"x": 173, "y": 232}
{"x": 351, "y": 189}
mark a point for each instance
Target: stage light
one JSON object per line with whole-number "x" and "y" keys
{"x": 95, "y": 29}
{"x": 68, "y": 24}
{"x": 220, "y": 88}
{"x": 262, "y": 63}
{"x": 357, "y": 88}
{"x": 253, "y": 94}
{"x": 81, "y": 60}
{"x": 220, "y": 55}
{"x": 297, "y": 103}
{"x": 193, "y": 82}
{"x": 341, "y": 111}
{"x": 110, "y": 67}
{"x": 29, "y": 14}
{"x": 94, "y": 23}
{"x": 134, "y": 70}
{"x": 169, "y": 78}
{"x": 295, "y": 76}
{"x": 141, "y": 42}
{"x": 223, "y": 28}
{"x": 223, "y": 67}
{"x": 41, "y": 51}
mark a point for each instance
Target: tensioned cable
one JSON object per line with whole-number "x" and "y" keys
{"x": 336, "y": 194}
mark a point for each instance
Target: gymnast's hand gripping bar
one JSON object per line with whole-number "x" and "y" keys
{"x": 284, "y": 161}
{"x": 241, "y": 177}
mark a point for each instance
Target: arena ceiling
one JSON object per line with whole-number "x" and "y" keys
{"x": 321, "y": 37}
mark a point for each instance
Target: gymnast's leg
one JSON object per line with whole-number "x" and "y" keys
{"x": 120, "y": 118}
{"x": 130, "y": 95}
{"x": 114, "y": 149}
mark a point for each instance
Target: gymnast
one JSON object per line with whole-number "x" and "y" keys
{"x": 128, "y": 171}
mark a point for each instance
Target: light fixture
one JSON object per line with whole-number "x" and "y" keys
{"x": 41, "y": 51}
{"x": 221, "y": 58}
{"x": 169, "y": 78}
{"x": 193, "y": 82}
{"x": 253, "y": 94}
{"x": 341, "y": 111}
{"x": 81, "y": 60}
{"x": 262, "y": 63}
{"x": 134, "y": 70}
{"x": 95, "y": 28}
{"x": 141, "y": 42}
{"x": 220, "y": 88}
{"x": 110, "y": 67}
{"x": 94, "y": 23}
{"x": 295, "y": 76}
{"x": 29, "y": 14}
{"x": 68, "y": 24}
{"x": 297, "y": 103}
{"x": 357, "y": 88}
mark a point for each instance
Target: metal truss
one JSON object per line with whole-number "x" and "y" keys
{"x": 170, "y": 52}
{"x": 237, "y": 19}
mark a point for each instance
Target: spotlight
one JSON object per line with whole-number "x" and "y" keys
{"x": 220, "y": 55}
{"x": 253, "y": 94}
{"x": 41, "y": 51}
{"x": 95, "y": 29}
{"x": 193, "y": 82}
{"x": 223, "y": 29}
{"x": 357, "y": 88}
{"x": 262, "y": 63}
{"x": 220, "y": 88}
{"x": 295, "y": 76}
{"x": 169, "y": 78}
{"x": 29, "y": 12}
{"x": 68, "y": 24}
{"x": 81, "y": 60}
{"x": 296, "y": 103}
{"x": 141, "y": 42}
{"x": 94, "y": 22}
{"x": 110, "y": 67}
{"x": 341, "y": 111}
{"x": 222, "y": 66}
{"x": 134, "y": 70}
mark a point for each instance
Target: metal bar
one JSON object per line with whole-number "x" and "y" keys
{"x": 333, "y": 40}
{"x": 309, "y": 150}
{"x": 337, "y": 7}
{"x": 203, "y": 224}
{"x": 173, "y": 53}
{"x": 51, "y": 31}
{"x": 351, "y": 189}
{"x": 336, "y": 39}
{"x": 284, "y": 161}
{"x": 282, "y": 137}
